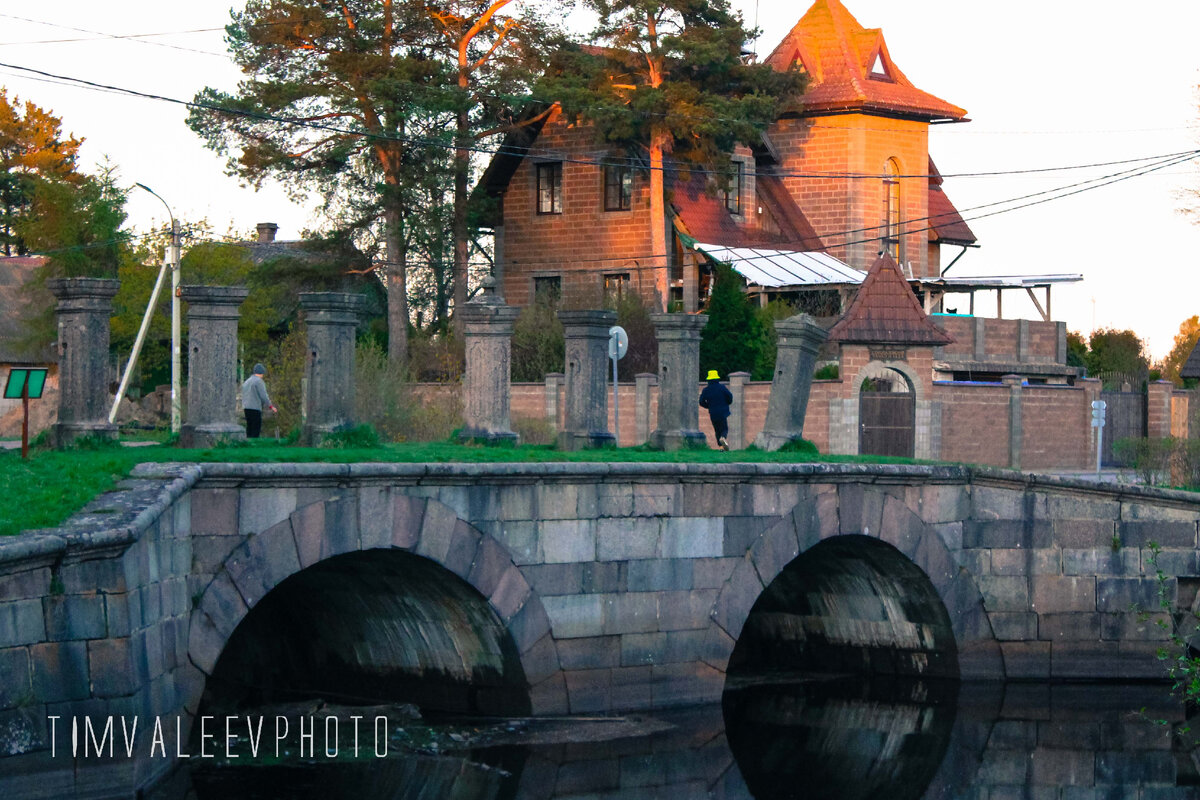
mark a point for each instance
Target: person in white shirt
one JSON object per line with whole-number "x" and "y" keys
{"x": 254, "y": 400}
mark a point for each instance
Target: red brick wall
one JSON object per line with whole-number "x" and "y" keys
{"x": 975, "y": 422}
{"x": 839, "y": 209}
{"x": 1056, "y": 426}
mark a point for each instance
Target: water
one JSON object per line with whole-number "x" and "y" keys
{"x": 917, "y": 741}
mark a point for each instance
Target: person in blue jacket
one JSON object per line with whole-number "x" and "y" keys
{"x": 716, "y": 398}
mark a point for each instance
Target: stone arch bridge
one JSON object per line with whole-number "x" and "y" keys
{"x": 563, "y": 588}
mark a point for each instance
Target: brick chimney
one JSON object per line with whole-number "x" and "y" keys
{"x": 266, "y": 232}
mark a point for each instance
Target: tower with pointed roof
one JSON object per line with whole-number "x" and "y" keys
{"x": 856, "y": 158}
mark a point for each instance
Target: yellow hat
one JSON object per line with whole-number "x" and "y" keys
{"x": 713, "y": 376}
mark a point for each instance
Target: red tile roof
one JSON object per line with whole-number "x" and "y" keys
{"x": 839, "y": 55}
{"x": 1191, "y": 367}
{"x": 885, "y": 311}
{"x": 946, "y": 225}
{"x": 706, "y": 219}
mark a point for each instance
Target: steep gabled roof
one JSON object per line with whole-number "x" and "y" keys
{"x": 850, "y": 68}
{"x": 1191, "y": 367}
{"x": 885, "y": 311}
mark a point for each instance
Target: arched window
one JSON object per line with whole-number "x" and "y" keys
{"x": 892, "y": 232}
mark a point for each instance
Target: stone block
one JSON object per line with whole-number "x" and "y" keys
{"x": 259, "y": 565}
{"x": 900, "y": 527}
{"x": 1014, "y": 626}
{"x": 564, "y": 541}
{"x": 588, "y": 690}
{"x": 1069, "y": 627}
{"x": 1139, "y": 661}
{"x": 737, "y": 598}
{"x": 951, "y": 534}
{"x": 642, "y": 649}
{"x": 939, "y": 504}
{"x": 932, "y": 557}
{"x": 16, "y": 686}
{"x": 660, "y": 574}
{"x": 224, "y": 604}
{"x": 632, "y": 689}
{"x": 1054, "y": 594}
{"x": 990, "y": 504}
{"x": 692, "y": 537}
{"x": 1026, "y": 660}
{"x": 995, "y": 534}
{"x": 95, "y": 575}
{"x": 600, "y": 577}
{"x": 712, "y": 573}
{"x": 559, "y": 501}
{"x": 1074, "y": 507}
{"x": 491, "y": 562}
{"x": 214, "y": 512}
{"x": 408, "y": 514}
{"x": 1101, "y": 561}
{"x": 308, "y": 530}
{"x": 510, "y": 594}
{"x": 1122, "y": 595}
{"x": 575, "y": 616}
{"x": 1056, "y": 767}
{"x": 464, "y": 544}
{"x": 630, "y": 612}
{"x": 1144, "y": 768}
{"x": 341, "y": 526}
{"x": 1165, "y": 534}
{"x": 540, "y": 661}
{"x": 860, "y": 509}
{"x": 686, "y": 684}
{"x": 593, "y": 652}
{"x": 376, "y": 520}
{"x": 25, "y": 585}
{"x": 977, "y": 561}
{"x": 210, "y": 552}
{"x": 1171, "y": 562}
{"x": 626, "y": 539}
{"x": 205, "y": 642}
{"x": 775, "y": 549}
{"x": 1046, "y": 561}
{"x": 74, "y": 616}
{"x": 718, "y": 646}
{"x": 60, "y": 671}
{"x": 529, "y": 625}
{"x": 113, "y": 669}
{"x": 678, "y": 611}
{"x": 517, "y": 502}
{"x": 552, "y": 579}
{"x": 742, "y": 532}
{"x": 1133, "y": 627}
{"x": 260, "y": 509}
{"x": 614, "y": 500}
{"x": 656, "y": 500}
{"x": 22, "y": 622}
{"x": 549, "y": 697}
{"x": 1082, "y": 533}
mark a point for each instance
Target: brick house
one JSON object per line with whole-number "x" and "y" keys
{"x": 817, "y": 198}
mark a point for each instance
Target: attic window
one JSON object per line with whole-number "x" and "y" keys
{"x": 879, "y": 70}
{"x": 798, "y": 64}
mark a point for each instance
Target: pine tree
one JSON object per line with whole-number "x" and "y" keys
{"x": 733, "y": 339}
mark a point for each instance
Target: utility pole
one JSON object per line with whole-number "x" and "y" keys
{"x": 176, "y": 352}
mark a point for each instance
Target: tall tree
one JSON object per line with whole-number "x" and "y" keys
{"x": 494, "y": 55}
{"x": 33, "y": 152}
{"x": 671, "y": 79}
{"x": 1185, "y": 343}
{"x": 332, "y": 95}
{"x": 1116, "y": 351}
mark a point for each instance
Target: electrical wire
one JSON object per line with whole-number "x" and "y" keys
{"x": 140, "y": 38}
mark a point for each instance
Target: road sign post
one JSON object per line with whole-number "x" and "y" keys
{"x": 618, "y": 344}
{"x": 26, "y": 384}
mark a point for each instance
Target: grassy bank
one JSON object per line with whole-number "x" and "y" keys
{"x": 52, "y": 485}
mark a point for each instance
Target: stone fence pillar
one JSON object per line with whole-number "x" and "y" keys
{"x": 1016, "y": 427}
{"x": 213, "y": 313}
{"x": 800, "y": 339}
{"x": 678, "y": 376}
{"x": 331, "y": 318}
{"x": 84, "y": 308}
{"x": 737, "y": 417}
{"x": 1158, "y": 409}
{"x": 642, "y": 382}
{"x": 586, "y": 422}
{"x": 553, "y": 381}
{"x": 487, "y": 384}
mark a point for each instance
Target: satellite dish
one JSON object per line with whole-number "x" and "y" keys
{"x": 618, "y": 342}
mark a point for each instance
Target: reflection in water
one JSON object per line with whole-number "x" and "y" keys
{"x": 918, "y": 740}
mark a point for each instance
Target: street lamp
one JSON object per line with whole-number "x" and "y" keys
{"x": 173, "y": 259}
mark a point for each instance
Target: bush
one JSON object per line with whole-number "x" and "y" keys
{"x": 534, "y": 430}
{"x": 538, "y": 347}
{"x": 391, "y": 406}
{"x": 360, "y": 437}
{"x": 1150, "y": 458}
{"x": 733, "y": 338}
{"x": 827, "y": 372}
{"x": 634, "y": 317}
{"x": 438, "y": 357}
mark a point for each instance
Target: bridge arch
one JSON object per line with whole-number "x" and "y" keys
{"x": 447, "y": 599}
{"x": 877, "y": 523}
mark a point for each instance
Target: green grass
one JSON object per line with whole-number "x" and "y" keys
{"x": 52, "y": 485}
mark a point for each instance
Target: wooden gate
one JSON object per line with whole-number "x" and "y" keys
{"x": 887, "y": 423}
{"x": 1125, "y": 418}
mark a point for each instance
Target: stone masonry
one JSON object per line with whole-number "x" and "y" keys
{"x": 586, "y": 421}
{"x": 487, "y": 329}
{"x": 621, "y": 586}
{"x": 678, "y": 369}
{"x": 331, "y": 318}
{"x": 213, "y": 313}
{"x": 84, "y": 306}
{"x": 800, "y": 339}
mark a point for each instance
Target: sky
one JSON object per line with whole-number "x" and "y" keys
{"x": 1047, "y": 85}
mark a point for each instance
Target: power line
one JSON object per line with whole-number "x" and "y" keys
{"x": 140, "y": 38}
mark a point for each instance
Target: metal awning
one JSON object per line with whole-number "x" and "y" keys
{"x": 969, "y": 283}
{"x": 773, "y": 269}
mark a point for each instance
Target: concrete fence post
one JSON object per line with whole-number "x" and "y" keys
{"x": 554, "y": 381}
{"x": 979, "y": 342}
{"x": 1023, "y": 342}
{"x": 83, "y": 311}
{"x": 586, "y": 419}
{"x": 1016, "y": 430}
{"x": 212, "y": 387}
{"x": 1158, "y": 409}
{"x": 331, "y": 318}
{"x": 487, "y": 384}
{"x": 737, "y": 417}
{"x": 800, "y": 339}
{"x": 678, "y": 374}
{"x": 642, "y": 383}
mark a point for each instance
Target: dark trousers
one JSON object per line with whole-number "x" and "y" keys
{"x": 253, "y": 422}
{"x": 720, "y": 427}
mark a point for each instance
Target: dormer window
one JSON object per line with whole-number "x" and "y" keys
{"x": 733, "y": 195}
{"x": 879, "y": 70}
{"x": 798, "y": 63}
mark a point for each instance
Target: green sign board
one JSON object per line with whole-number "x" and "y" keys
{"x": 35, "y": 378}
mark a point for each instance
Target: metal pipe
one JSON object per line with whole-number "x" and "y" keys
{"x": 137, "y": 343}
{"x": 176, "y": 352}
